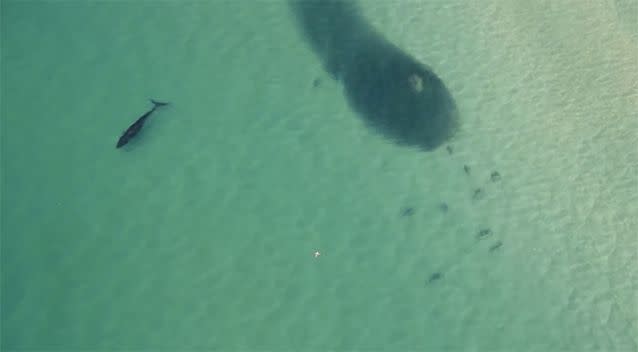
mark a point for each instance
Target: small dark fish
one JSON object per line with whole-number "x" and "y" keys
{"x": 316, "y": 83}
{"x": 435, "y": 276}
{"x": 478, "y": 194}
{"x": 484, "y": 233}
{"x": 495, "y": 246}
{"x": 495, "y": 176}
{"x": 407, "y": 211}
{"x": 467, "y": 169}
{"x": 449, "y": 149}
{"x": 443, "y": 206}
{"x": 136, "y": 127}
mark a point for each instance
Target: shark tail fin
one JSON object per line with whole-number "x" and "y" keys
{"x": 157, "y": 103}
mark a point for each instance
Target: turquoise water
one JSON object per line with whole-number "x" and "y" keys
{"x": 201, "y": 235}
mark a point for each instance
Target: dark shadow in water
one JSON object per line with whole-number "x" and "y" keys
{"x": 394, "y": 93}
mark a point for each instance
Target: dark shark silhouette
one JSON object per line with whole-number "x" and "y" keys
{"x": 136, "y": 127}
{"x": 392, "y": 91}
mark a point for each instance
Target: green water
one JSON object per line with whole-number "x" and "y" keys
{"x": 201, "y": 234}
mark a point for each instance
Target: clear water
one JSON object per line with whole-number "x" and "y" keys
{"x": 201, "y": 234}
